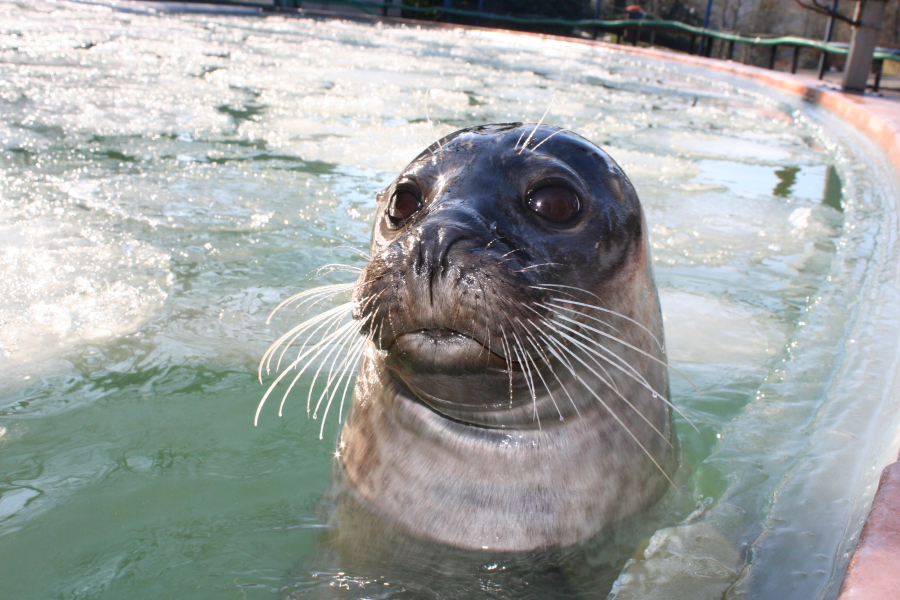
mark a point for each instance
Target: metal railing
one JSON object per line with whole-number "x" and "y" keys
{"x": 633, "y": 27}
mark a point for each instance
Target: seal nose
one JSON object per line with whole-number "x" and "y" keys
{"x": 436, "y": 235}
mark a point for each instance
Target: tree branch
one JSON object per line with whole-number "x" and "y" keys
{"x": 825, "y": 10}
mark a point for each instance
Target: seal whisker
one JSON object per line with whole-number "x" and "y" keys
{"x": 430, "y": 124}
{"x": 594, "y": 356}
{"x": 316, "y": 291}
{"x": 506, "y": 354}
{"x": 334, "y": 288}
{"x": 359, "y": 251}
{"x": 540, "y": 375}
{"x": 544, "y": 140}
{"x": 565, "y": 362}
{"x": 609, "y": 355}
{"x": 629, "y": 371}
{"x": 556, "y": 308}
{"x": 316, "y": 349}
{"x": 312, "y": 296}
{"x": 354, "y": 367}
{"x": 526, "y": 371}
{"x": 620, "y": 395}
{"x": 314, "y": 300}
{"x": 283, "y": 374}
{"x": 337, "y": 268}
{"x": 331, "y": 318}
{"x": 597, "y": 346}
{"x": 624, "y": 366}
{"x": 609, "y": 380}
{"x": 355, "y": 351}
{"x": 618, "y": 419}
{"x": 595, "y": 318}
{"x": 555, "y": 327}
{"x": 600, "y": 309}
{"x": 521, "y": 135}
{"x": 347, "y": 333}
{"x": 347, "y": 338}
{"x": 530, "y": 135}
{"x": 549, "y": 264}
{"x": 295, "y": 332}
{"x": 607, "y": 335}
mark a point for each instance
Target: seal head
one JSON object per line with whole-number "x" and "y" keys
{"x": 513, "y": 391}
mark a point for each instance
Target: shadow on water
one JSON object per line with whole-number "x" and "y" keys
{"x": 246, "y": 112}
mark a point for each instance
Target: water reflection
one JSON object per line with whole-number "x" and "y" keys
{"x": 787, "y": 178}
{"x": 834, "y": 194}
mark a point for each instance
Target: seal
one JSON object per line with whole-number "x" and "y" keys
{"x": 512, "y": 393}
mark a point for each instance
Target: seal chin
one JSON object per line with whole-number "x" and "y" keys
{"x": 443, "y": 351}
{"x": 441, "y": 368}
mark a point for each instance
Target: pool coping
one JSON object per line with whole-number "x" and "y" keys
{"x": 872, "y": 568}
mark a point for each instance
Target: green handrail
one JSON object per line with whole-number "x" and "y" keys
{"x": 656, "y": 24}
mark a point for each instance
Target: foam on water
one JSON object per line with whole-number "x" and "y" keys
{"x": 168, "y": 179}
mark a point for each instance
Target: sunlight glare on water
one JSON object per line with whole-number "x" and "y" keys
{"x": 168, "y": 179}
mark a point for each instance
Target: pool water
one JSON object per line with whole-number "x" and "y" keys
{"x": 169, "y": 178}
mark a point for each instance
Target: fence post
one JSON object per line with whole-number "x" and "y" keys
{"x": 879, "y": 65}
{"x": 706, "y": 26}
{"x": 730, "y": 49}
{"x": 823, "y": 59}
{"x": 868, "y": 14}
{"x": 773, "y": 56}
{"x": 796, "y": 58}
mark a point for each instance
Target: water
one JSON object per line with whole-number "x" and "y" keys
{"x": 168, "y": 179}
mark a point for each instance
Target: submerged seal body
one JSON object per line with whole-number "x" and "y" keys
{"x": 513, "y": 391}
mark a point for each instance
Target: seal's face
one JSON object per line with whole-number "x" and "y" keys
{"x": 472, "y": 243}
{"x": 512, "y": 393}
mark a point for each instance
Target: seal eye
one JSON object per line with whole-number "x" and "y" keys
{"x": 404, "y": 204}
{"x": 554, "y": 203}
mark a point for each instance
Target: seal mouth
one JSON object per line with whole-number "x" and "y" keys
{"x": 441, "y": 350}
